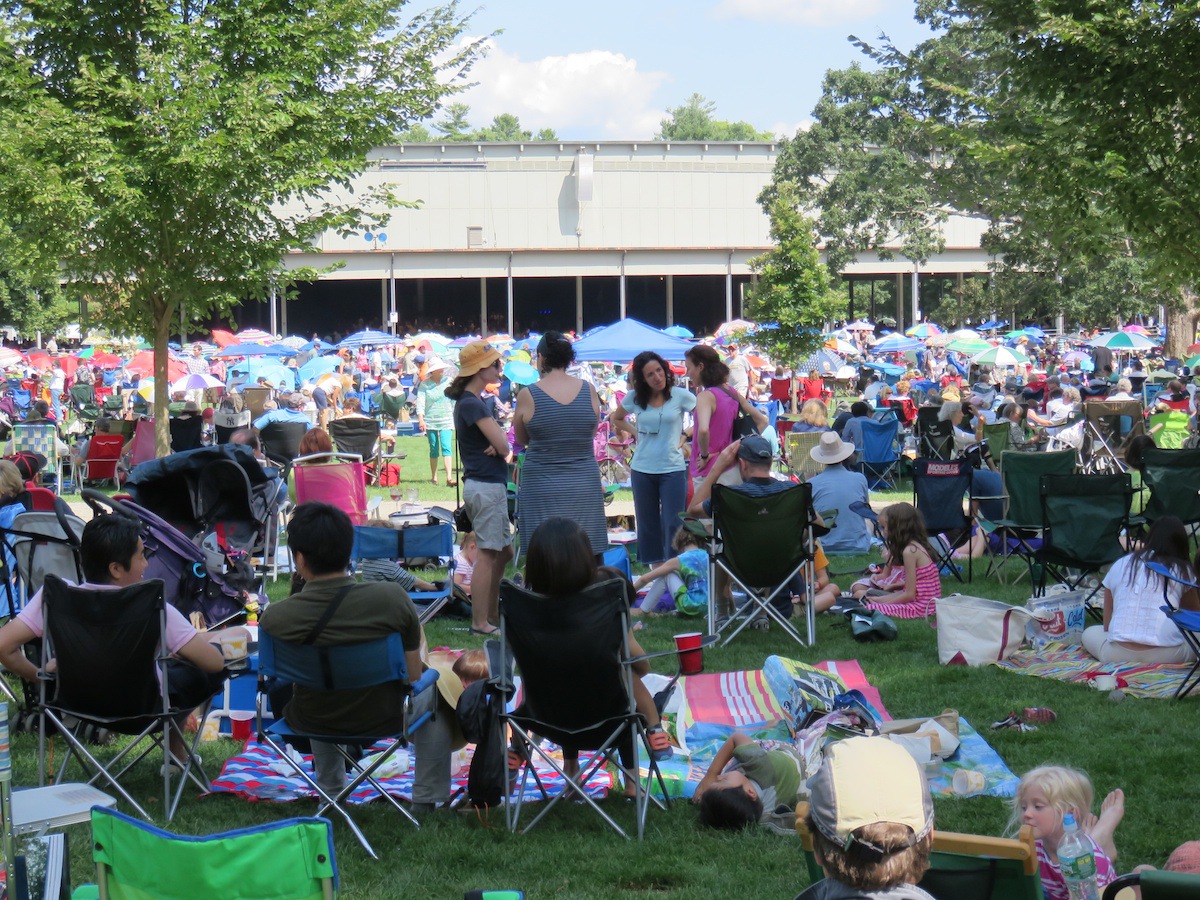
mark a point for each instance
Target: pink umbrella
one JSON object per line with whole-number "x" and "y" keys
{"x": 1137, "y": 329}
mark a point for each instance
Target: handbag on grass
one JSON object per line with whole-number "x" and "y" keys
{"x": 974, "y": 631}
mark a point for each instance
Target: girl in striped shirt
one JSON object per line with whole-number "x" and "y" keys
{"x": 908, "y": 551}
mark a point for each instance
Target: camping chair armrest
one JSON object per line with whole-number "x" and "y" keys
{"x": 427, "y": 680}
{"x": 707, "y": 641}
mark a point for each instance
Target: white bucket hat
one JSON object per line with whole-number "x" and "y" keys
{"x": 831, "y": 450}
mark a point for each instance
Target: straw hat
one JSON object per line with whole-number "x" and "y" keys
{"x": 831, "y": 450}
{"x": 475, "y": 356}
{"x": 450, "y": 686}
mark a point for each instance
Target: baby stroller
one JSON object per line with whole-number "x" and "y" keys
{"x": 1111, "y": 425}
{"x": 220, "y": 495}
{"x": 195, "y": 579}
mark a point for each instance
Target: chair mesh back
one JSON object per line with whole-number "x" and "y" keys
{"x": 763, "y": 538}
{"x": 568, "y": 651}
{"x": 106, "y": 645}
{"x": 56, "y": 553}
{"x": 358, "y": 436}
{"x": 340, "y": 484}
{"x": 879, "y": 442}
{"x": 1084, "y": 516}
{"x": 185, "y": 433}
{"x": 1173, "y": 477}
{"x": 1115, "y": 422}
{"x": 1022, "y": 473}
{"x": 998, "y": 436}
{"x": 940, "y": 486}
{"x": 342, "y": 667}
{"x": 281, "y": 441}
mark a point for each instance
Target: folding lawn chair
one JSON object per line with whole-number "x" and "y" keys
{"x": 103, "y": 454}
{"x": 411, "y": 542}
{"x": 1156, "y": 884}
{"x": 226, "y": 422}
{"x": 1187, "y": 621}
{"x": 292, "y": 859}
{"x": 111, "y": 672}
{"x": 390, "y": 405}
{"x": 281, "y": 444}
{"x": 939, "y": 486}
{"x": 1173, "y": 478}
{"x": 799, "y": 460}
{"x": 1169, "y": 429}
{"x": 253, "y": 399}
{"x": 998, "y": 437}
{"x": 1022, "y": 522}
{"x": 361, "y": 437}
{"x": 763, "y": 543}
{"x": 142, "y": 447}
{"x": 936, "y": 437}
{"x": 964, "y": 865}
{"x": 1110, "y": 426}
{"x": 587, "y": 636}
{"x": 186, "y": 433}
{"x": 879, "y": 459}
{"x": 338, "y": 479}
{"x": 1084, "y": 517}
{"x": 345, "y": 667}
{"x": 42, "y": 437}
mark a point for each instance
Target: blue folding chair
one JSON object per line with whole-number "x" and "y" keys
{"x": 411, "y": 542}
{"x": 1187, "y": 621}
{"x": 345, "y": 667}
{"x": 879, "y": 458}
{"x": 939, "y": 486}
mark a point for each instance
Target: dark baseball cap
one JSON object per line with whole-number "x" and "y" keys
{"x": 755, "y": 448}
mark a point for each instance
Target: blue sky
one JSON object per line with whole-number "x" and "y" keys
{"x": 609, "y": 70}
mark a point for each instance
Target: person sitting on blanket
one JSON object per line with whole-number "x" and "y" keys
{"x": 871, "y": 820}
{"x": 746, "y": 780}
{"x": 679, "y": 584}
{"x": 907, "y": 551}
{"x": 321, "y": 538}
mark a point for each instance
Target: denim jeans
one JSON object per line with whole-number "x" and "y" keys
{"x": 657, "y": 502}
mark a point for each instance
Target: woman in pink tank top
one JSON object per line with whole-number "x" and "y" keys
{"x": 717, "y": 406}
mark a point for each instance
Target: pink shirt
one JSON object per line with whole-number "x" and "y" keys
{"x": 464, "y": 569}
{"x": 720, "y": 429}
{"x": 1054, "y": 886}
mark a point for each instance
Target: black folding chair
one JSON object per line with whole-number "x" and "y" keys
{"x": 936, "y": 436}
{"x": 111, "y": 671}
{"x": 1084, "y": 517}
{"x": 939, "y": 486}
{"x": 577, "y": 690}
{"x": 186, "y": 433}
{"x": 281, "y": 444}
{"x": 762, "y": 542}
{"x": 226, "y": 422}
{"x": 1173, "y": 478}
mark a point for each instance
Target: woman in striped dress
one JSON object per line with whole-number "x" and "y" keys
{"x": 910, "y": 555}
{"x": 556, "y": 419}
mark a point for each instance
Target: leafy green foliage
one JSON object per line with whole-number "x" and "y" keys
{"x": 693, "y": 121}
{"x": 793, "y": 288}
{"x": 505, "y": 127}
{"x": 170, "y": 156}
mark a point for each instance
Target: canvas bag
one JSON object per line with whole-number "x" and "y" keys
{"x": 974, "y": 631}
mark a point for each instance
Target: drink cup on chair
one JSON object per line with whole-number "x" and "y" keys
{"x": 691, "y": 654}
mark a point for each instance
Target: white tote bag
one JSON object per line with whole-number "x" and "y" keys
{"x": 974, "y": 631}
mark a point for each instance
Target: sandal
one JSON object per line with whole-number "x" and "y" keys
{"x": 1039, "y": 714}
{"x": 482, "y": 632}
{"x": 1013, "y": 721}
{"x": 452, "y": 483}
{"x": 660, "y": 744}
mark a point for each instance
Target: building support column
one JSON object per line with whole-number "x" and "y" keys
{"x": 670, "y": 300}
{"x": 393, "y": 315}
{"x": 383, "y": 300}
{"x": 579, "y": 304}
{"x": 272, "y": 299}
{"x": 622, "y": 284}
{"x": 729, "y": 288}
{"x": 283, "y": 326}
{"x": 510, "y": 296}
{"x": 899, "y": 301}
{"x": 483, "y": 310}
{"x": 916, "y": 294}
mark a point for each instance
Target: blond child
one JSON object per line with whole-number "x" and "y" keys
{"x": 1046, "y": 794}
{"x": 680, "y": 583}
{"x": 464, "y": 561}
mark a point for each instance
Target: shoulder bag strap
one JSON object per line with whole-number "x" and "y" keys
{"x": 328, "y": 614}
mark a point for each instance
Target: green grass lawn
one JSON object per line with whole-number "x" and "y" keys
{"x": 1139, "y": 745}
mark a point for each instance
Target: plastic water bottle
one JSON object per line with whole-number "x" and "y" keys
{"x": 1077, "y": 861}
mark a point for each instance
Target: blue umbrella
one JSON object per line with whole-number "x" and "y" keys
{"x": 255, "y": 350}
{"x": 678, "y": 331}
{"x": 369, "y": 337}
{"x": 1034, "y": 331}
{"x": 318, "y": 345}
{"x": 273, "y": 372}
{"x": 520, "y": 372}
{"x": 823, "y": 362}
{"x": 896, "y": 343}
{"x": 315, "y": 368}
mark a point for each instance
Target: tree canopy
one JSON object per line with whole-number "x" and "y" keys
{"x": 454, "y": 127}
{"x": 693, "y": 120}
{"x": 169, "y": 156}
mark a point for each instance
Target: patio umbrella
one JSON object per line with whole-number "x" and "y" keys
{"x": 370, "y": 337}
{"x": 315, "y": 368}
{"x": 9, "y": 357}
{"x": 255, "y": 336}
{"x": 254, "y": 350}
{"x": 1139, "y": 329}
{"x": 938, "y": 340}
{"x": 520, "y": 372}
{"x": 896, "y": 343}
{"x": 1034, "y": 331}
{"x": 732, "y": 327}
{"x": 1124, "y": 340}
{"x": 1076, "y": 356}
{"x": 1000, "y": 356}
{"x": 319, "y": 345}
{"x": 142, "y": 363}
{"x": 294, "y": 341}
{"x": 923, "y": 331}
{"x": 860, "y": 325}
{"x": 195, "y": 381}
{"x": 104, "y": 360}
{"x": 678, "y": 331}
{"x": 38, "y": 358}
{"x": 1194, "y": 349}
{"x": 964, "y": 334}
{"x": 824, "y": 362}
{"x": 1192, "y": 361}
{"x": 843, "y": 347}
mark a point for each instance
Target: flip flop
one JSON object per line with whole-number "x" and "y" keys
{"x": 481, "y": 632}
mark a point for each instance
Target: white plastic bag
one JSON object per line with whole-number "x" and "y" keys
{"x": 1058, "y": 616}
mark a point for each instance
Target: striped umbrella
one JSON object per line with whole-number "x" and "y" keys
{"x": 923, "y": 331}
{"x": 1000, "y": 356}
{"x": 1124, "y": 340}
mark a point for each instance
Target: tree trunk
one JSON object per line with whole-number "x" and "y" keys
{"x": 1181, "y": 324}
{"x": 163, "y": 311}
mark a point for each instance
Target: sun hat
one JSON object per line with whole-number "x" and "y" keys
{"x": 450, "y": 686}
{"x": 434, "y": 363}
{"x": 475, "y": 356}
{"x": 755, "y": 448}
{"x": 832, "y": 449}
{"x": 868, "y": 781}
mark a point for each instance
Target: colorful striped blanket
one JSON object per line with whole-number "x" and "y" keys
{"x": 1070, "y": 662}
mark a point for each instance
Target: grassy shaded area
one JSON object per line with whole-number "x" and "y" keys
{"x": 573, "y": 855}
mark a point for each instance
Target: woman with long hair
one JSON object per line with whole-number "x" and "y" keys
{"x": 716, "y": 407}
{"x": 556, "y": 419}
{"x": 659, "y": 469}
{"x": 910, "y": 584}
{"x": 814, "y": 416}
{"x": 485, "y": 454}
{"x": 1134, "y": 627}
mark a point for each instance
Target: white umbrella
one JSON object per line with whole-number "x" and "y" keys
{"x": 860, "y": 326}
{"x": 195, "y": 382}
{"x": 1000, "y": 356}
{"x": 254, "y": 336}
{"x": 1124, "y": 340}
{"x": 964, "y": 334}
{"x": 9, "y": 357}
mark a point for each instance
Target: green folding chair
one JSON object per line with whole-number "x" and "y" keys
{"x": 1022, "y": 522}
{"x": 1157, "y": 885}
{"x": 1173, "y": 477}
{"x": 999, "y": 438}
{"x": 1084, "y": 518}
{"x": 1169, "y": 429}
{"x": 964, "y": 865}
{"x": 288, "y": 860}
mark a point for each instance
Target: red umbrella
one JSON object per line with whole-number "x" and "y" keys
{"x": 38, "y": 358}
{"x": 69, "y": 364}
{"x": 143, "y": 364}
{"x": 105, "y": 360}
{"x": 223, "y": 338}
{"x": 1194, "y": 349}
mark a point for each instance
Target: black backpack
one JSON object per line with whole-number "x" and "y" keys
{"x": 478, "y": 711}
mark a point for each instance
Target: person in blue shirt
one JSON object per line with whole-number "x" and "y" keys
{"x": 293, "y": 412}
{"x": 837, "y": 488}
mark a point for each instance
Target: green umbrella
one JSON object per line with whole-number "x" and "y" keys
{"x": 969, "y": 346}
{"x": 1124, "y": 340}
{"x": 1000, "y": 356}
{"x": 1193, "y": 361}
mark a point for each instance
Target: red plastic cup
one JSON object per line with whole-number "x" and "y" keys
{"x": 241, "y": 724}
{"x": 691, "y": 654}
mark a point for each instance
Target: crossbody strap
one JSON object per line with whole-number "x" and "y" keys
{"x": 328, "y": 614}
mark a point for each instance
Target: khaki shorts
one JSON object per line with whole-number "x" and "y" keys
{"x": 487, "y": 505}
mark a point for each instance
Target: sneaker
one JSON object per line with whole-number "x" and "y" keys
{"x": 781, "y": 820}
{"x": 760, "y": 622}
{"x": 1013, "y": 721}
{"x": 660, "y": 744}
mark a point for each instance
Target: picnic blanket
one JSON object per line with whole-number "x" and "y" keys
{"x": 257, "y": 773}
{"x": 712, "y": 706}
{"x": 1070, "y": 662}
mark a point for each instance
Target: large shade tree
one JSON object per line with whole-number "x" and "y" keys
{"x": 168, "y": 155}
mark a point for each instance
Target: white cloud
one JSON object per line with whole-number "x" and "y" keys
{"x": 817, "y": 13}
{"x": 789, "y": 129}
{"x": 594, "y": 94}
